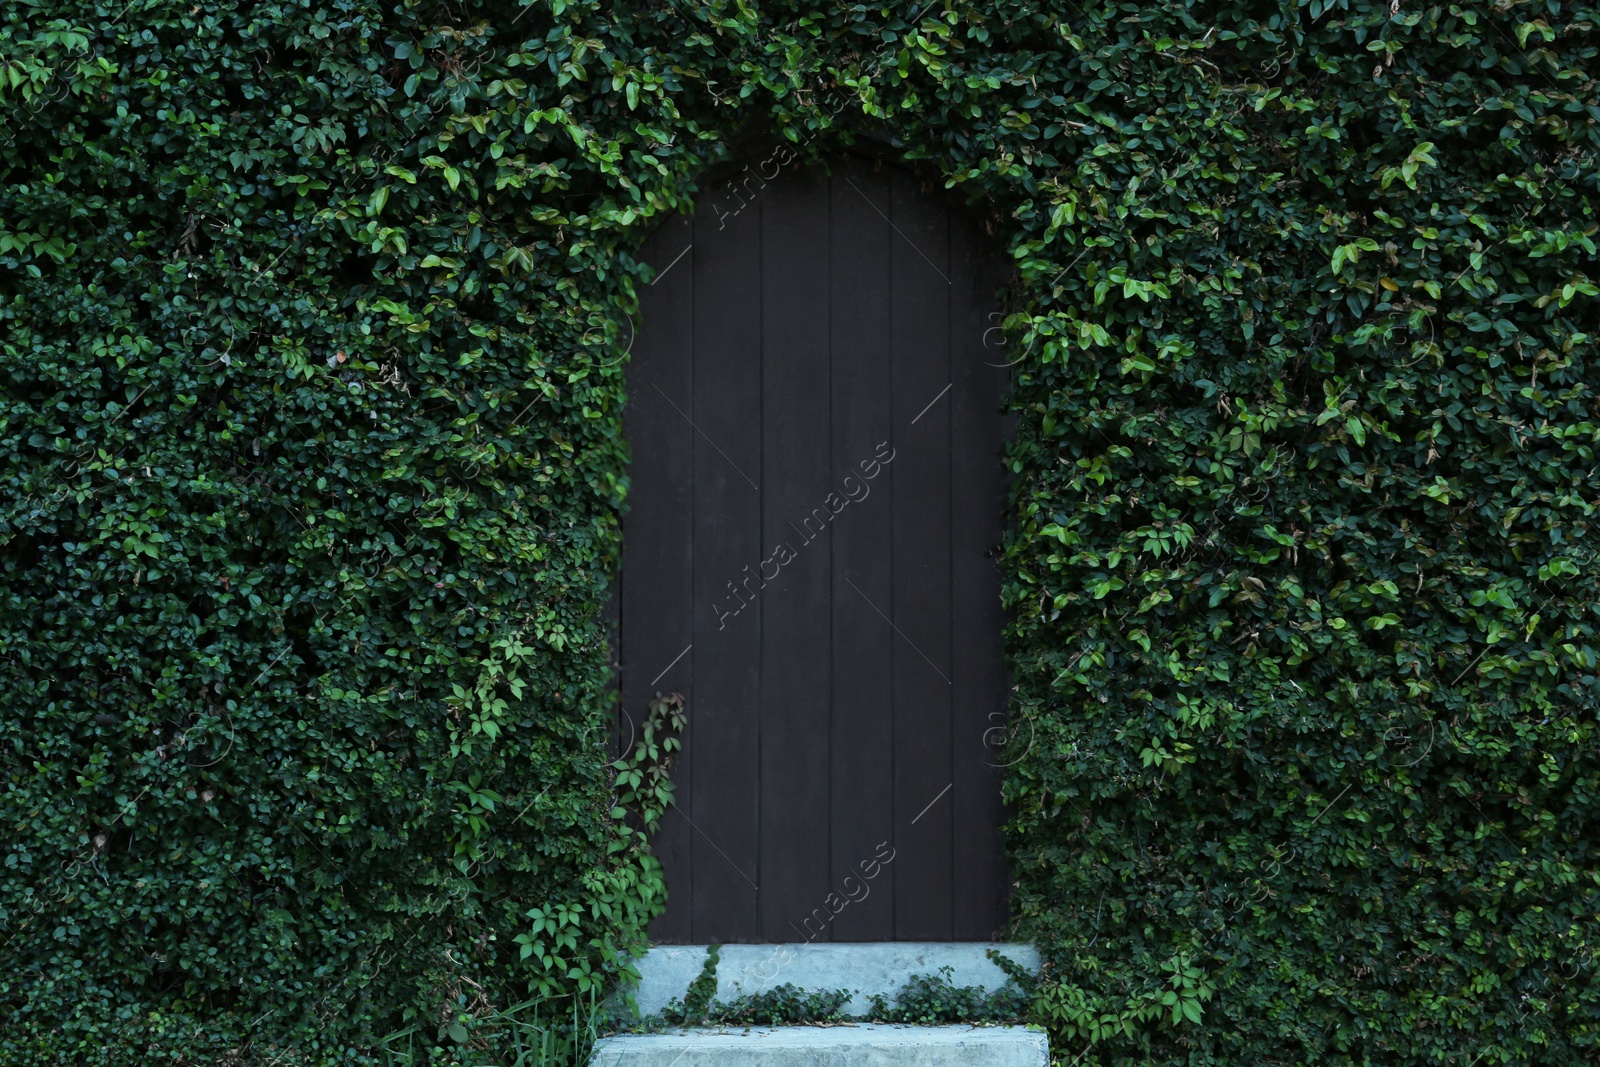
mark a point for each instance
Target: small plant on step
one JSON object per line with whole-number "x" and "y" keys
{"x": 929, "y": 999}
{"x": 785, "y": 1005}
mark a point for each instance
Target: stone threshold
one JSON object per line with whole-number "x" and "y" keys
{"x": 865, "y": 969}
{"x": 848, "y": 1045}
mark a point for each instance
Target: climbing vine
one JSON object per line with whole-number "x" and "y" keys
{"x": 313, "y": 322}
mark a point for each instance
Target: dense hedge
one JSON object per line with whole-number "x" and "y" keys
{"x": 312, "y": 469}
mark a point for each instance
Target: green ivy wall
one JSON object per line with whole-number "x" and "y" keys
{"x": 310, "y": 317}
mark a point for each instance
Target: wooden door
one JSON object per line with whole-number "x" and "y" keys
{"x": 816, "y": 498}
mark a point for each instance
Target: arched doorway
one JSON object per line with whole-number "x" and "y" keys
{"x": 816, "y": 497}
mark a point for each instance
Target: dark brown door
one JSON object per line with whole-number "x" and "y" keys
{"x": 816, "y": 497}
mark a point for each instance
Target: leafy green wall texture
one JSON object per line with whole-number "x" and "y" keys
{"x": 311, "y": 319}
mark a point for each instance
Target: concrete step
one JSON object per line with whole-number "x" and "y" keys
{"x": 857, "y": 1045}
{"x": 866, "y": 969}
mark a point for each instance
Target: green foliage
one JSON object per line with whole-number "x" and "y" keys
{"x": 930, "y": 999}
{"x": 704, "y": 987}
{"x": 559, "y": 950}
{"x": 644, "y": 783}
{"x": 924, "y": 999}
{"x": 311, "y": 336}
{"x": 783, "y": 1005}
{"x": 1078, "y": 1013}
{"x": 519, "y": 1036}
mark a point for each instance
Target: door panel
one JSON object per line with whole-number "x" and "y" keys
{"x": 658, "y": 579}
{"x": 817, "y": 492}
{"x": 919, "y": 355}
{"x": 725, "y": 663}
{"x": 796, "y": 468}
{"x": 861, "y": 797}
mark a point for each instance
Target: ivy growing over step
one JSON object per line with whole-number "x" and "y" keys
{"x": 924, "y": 999}
{"x": 931, "y": 999}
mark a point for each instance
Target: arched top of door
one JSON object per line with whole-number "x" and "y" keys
{"x": 756, "y": 149}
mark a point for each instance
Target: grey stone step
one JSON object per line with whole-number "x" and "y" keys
{"x": 865, "y": 969}
{"x": 861, "y": 1045}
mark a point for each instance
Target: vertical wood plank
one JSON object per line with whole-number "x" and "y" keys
{"x": 657, "y": 533}
{"x": 978, "y": 492}
{"x": 799, "y": 506}
{"x": 920, "y": 293}
{"x": 862, "y": 757}
{"x": 726, "y": 804}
